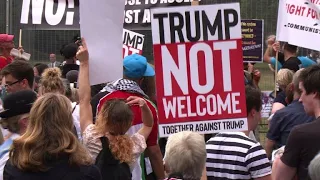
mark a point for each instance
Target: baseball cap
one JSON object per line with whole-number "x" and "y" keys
{"x": 18, "y": 103}
{"x": 136, "y": 66}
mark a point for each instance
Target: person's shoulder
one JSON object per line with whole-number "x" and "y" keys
{"x": 2, "y": 58}
{"x": 90, "y": 172}
{"x": 235, "y": 137}
{"x": 306, "y": 61}
{"x": 304, "y": 130}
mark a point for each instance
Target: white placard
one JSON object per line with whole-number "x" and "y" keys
{"x": 299, "y": 23}
{"x": 132, "y": 42}
{"x": 101, "y": 23}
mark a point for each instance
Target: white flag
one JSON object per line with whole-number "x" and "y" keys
{"x": 299, "y": 23}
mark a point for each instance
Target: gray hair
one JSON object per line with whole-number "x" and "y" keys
{"x": 314, "y": 167}
{"x": 186, "y": 154}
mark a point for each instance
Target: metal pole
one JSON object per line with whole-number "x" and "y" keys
{"x": 7, "y": 16}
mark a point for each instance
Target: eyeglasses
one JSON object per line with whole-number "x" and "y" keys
{"x": 10, "y": 84}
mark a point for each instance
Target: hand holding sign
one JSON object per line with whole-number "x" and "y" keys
{"x": 83, "y": 54}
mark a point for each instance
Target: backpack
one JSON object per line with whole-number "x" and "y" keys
{"x": 110, "y": 167}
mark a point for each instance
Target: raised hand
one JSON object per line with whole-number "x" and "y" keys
{"x": 83, "y": 54}
{"x": 134, "y": 100}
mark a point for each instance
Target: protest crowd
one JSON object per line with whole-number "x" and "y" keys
{"x": 57, "y": 124}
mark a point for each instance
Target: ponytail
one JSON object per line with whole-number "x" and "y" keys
{"x": 121, "y": 148}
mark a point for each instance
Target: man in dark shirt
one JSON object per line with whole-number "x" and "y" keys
{"x": 287, "y": 118}
{"x": 69, "y": 53}
{"x": 288, "y": 58}
{"x": 303, "y": 142}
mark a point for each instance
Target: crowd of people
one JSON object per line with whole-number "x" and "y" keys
{"x": 54, "y": 125}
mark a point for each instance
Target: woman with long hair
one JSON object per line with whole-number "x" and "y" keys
{"x": 113, "y": 121}
{"x": 49, "y": 149}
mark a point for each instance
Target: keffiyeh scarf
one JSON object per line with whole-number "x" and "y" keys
{"x": 124, "y": 85}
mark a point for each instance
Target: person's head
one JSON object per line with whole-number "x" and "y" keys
{"x": 289, "y": 49}
{"x": 70, "y": 91}
{"x": 292, "y": 91}
{"x": 72, "y": 76}
{"x": 115, "y": 117}
{"x": 314, "y": 167}
{"x": 310, "y": 89}
{"x": 284, "y": 78}
{"x": 136, "y": 67}
{"x": 49, "y": 136}
{"x": 18, "y": 75}
{"x": 6, "y": 44}
{"x": 148, "y": 85}
{"x": 52, "y": 57}
{"x": 39, "y": 68}
{"x": 314, "y": 54}
{"x": 254, "y": 105}
{"x": 16, "y": 107}
{"x": 186, "y": 155}
{"x": 69, "y": 52}
{"x": 51, "y": 82}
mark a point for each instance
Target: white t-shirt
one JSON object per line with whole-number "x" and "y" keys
{"x": 76, "y": 119}
{"x": 5, "y": 156}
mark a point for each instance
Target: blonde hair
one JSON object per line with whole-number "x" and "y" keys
{"x": 51, "y": 81}
{"x": 49, "y": 134}
{"x": 284, "y": 78}
{"x": 12, "y": 123}
{"x": 314, "y": 167}
{"x": 115, "y": 117}
{"x": 186, "y": 154}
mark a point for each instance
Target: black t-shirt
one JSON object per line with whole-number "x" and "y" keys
{"x": 302, "y": 146}
{"x": 281, "y": 98}
{"x": 292, "y": 63}
{"x": 68, "y": 67}
{"x": 60, "y": 169}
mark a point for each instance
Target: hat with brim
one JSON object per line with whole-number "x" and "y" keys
{"x": 7, "y": 113}
{"x": 136, "y": 66}
{"x": 18, "y": 103}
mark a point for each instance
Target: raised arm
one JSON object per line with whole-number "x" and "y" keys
{"x": 84, "y": 87}
{"x": 147, "y": 117}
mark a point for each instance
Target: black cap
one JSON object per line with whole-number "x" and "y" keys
{"x": 70, "y": 51}
{"x": 18, "y": 103}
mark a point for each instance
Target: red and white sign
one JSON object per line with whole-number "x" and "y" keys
{"x": 198, "y": 62}
{"x": 132, "y": 42}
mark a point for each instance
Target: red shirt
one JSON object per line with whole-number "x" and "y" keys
{"x": 4, "y": 61}
{"x": 137, "y": 121}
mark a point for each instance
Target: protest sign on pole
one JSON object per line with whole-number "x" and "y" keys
{"x": 299, "y": 23}
{"x": 252, "y": 40}
{"x": 132, "y": 42}
{"x": 64, "y": 14}
{"x": 103, "y": 30}
{"x": 198, "y": 62}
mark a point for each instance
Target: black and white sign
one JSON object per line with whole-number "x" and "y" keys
{"x": 64, "y": 14}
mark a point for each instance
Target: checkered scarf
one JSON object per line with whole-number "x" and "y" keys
{"x": 124, "y": 85}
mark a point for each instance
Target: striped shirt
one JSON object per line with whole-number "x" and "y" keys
{"x": 234, "y": 155}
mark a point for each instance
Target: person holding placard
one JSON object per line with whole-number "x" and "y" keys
{"x": 136, "y": 68}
